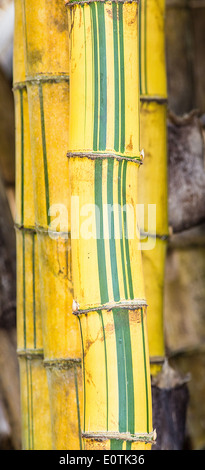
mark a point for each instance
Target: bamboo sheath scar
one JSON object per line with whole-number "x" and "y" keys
{"x": 104, "y": 158}
{"x": 153, "y": 174}
{"x": 47, "y": 57}
{"x": 35, "y": 410}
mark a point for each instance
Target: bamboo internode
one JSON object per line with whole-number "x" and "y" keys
{"x": 107, "y": 271}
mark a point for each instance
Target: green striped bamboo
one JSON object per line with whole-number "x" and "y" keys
{"x": 104, "y": 157}
{"x": 153, "y": 174}
{"x": 47, "y": 57}
{"x": 36, "y": 426}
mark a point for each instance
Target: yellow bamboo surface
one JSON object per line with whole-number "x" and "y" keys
{"x": 47, "y": 59}
{"x": 46, "y": 40}
{"x": 60, "y": 327}
{"x": 153, "y": 174}
{"x": 152, "y": 48}
{"x": 104, "y": 158}
{"x": 153, "y": 190}
{"x": 49, "y": 119}
{"x": 35, "y": 410}
{"x": 36, "y": 424}
{"x": 65, "y": 385}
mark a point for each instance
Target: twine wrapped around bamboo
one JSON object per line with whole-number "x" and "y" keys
{"x": 153, "y": 174}
{"x": 36, "y": 425}
{"x": 104, "y": 158}
{"x": 46, "y": 45}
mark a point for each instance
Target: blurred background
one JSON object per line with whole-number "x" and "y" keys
{"x": 184, "y": 296}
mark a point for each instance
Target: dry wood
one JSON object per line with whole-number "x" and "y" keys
{"x": 186, "y": 172}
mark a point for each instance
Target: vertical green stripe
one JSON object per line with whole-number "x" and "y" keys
{"x": 122, "y": 77}
{"x": 140, "y": 46}
{"x": 129, "y": 372}
{"x": 78, "y": 406}
{"x": 116, "y": 75}
{"x": 24, "y": 291}
{"x": 22, "y": 155}
{"x": 122, "y": 389}
{"x": 106, "y": 369}
{"x": 85, "y": 69}
{"x": 145, "y": 369}
{"x": 116, "y": 444}
{"x": 43, "y": 134}
{"x": 95, "y": 65}
{"x": 126, "y": 233}
{"x": 145, "y": 45}
{"x": 83, "y": 361}
{"x": 100, "y": 235}
{"x": 120, "y": 226}
{"x": 113, "y": 257}
{"x": 103, "y": 76}
{"x": 32, "y": 420}
{"x": 34, "y": 291}
{"x": 128, "y": 445}
{"x": 28, "y": 404}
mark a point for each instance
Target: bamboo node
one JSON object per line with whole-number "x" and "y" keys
{"x": 135, "y": 304}
{"x": 62, "y": 364}
{"x": 122, "y": 436}
{"x": 82, "y": 2}
{"x": 75, "y": 306}
{"x": 100, "y": 155}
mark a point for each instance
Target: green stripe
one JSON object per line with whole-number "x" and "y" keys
{"x": 103, "y": 76}
{"x": 100, "y": 237}
{"x": 43, "y": 134}
{"x": 106, "y": 368}
{"x": 83, "y": 361}
{"x": 78, "y": 406}
{"x": 95, "y": 65}
{"x": 129, "y": 373}
{"x": 113, "y": 257}
{"x": 145, "y": 369}
{"x": 32, "y": 420}
{"x": 85, "y": 69}
{"x": 128, "y": 445}
{"x": 34, "y": 291}
{"x": 28, "y": 404}
{"x": 122, "y": 77}
{"x": 116, "y": 76}
{"x": 120, "y": 225}
{"x": 116, "y": 444}
{"x": 129, "y": 272}
{"x": 24, "y": 292}
{"x": 140, "y": 46}
{"x": 145, "y": 45}
{"x": 121, "y": 368}
{"x": 22, "y": 156}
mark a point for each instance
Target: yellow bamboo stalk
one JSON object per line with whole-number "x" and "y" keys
{"x": 46, "y": 46}
{"x": 104, "y": 158}
{"x": 35, "y": 410}
{"x": 153, "y": 174}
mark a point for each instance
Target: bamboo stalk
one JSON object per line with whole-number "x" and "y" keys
{"x": 46, "y": 45}
{"x": 153, "y": 174}
{"x": 36, "y": 426}
{"x": 104, "y": 158}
